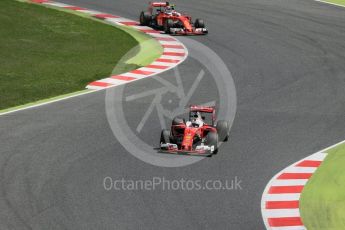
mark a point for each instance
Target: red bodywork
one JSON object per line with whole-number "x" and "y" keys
{"x": 161, "y": 17}
{"x": 187, "y": 136}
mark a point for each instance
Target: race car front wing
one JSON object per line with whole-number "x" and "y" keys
{"x": 200, "y": 150}
{"x": 181, "y": 31}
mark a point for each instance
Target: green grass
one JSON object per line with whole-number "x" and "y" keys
{"x": 146, "y": 52}
{"x": 323, "y": 198}
{"x": 46, "y": 52}
{"x": 340, "y": 2}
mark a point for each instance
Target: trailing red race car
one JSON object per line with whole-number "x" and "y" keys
{"x": 198, "y": 136}
{"x": 162, "y": 15}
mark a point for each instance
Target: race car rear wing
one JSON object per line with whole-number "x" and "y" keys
{"x": 159, "y": 4}
{"x": 205, "y": 109}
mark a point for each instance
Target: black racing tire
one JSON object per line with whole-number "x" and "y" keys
{"x": 165, "y": 136}
{"x": 145, "y": 18}
{"x": 199, "y": 23}
{"x": 223, "y": 129}
{"x": 212, "y": 140}
{"x": 178, "y": 121}
{"x": 167, "y": 25}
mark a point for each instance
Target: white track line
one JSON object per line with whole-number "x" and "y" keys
{"x": 330, "y": 3}
{"x": 48, "y": 102}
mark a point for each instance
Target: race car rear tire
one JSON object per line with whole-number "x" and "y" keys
{"x": 167, "y": 25}
{"x": 212, "y": 140}
{"x": 165, "y": 136}
{"x": 199, "y": 23}
{"x": 223, "y": 129}
{"x": 178, "y": 121}
{"x": 145, "y": 18}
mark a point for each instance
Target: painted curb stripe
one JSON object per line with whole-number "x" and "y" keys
{"x": 129, "y": 74}
{"x": 285, "y": 189}
{"x": 144, "y": 28}
{"x": 291, "y": 176}
{"x": 124, "y": 78}
{"x": 282, "y": 197}
{"x": 141, "y": 72}
{"x": 179, "y": 58}
{"x": 39, "y": 1}
{"x": 167, "y": 60}
{"x": 301, "y": 169}
{"x": 76, "y": 8}
{"x": 309, "y": 163}
{"x": 101, "y": 84}
{"x": 130, "y": 23}
{"x": 157, "y": 63}
{"x": 173, "y": 54}
{"x": 282, "y": 204}
{"x": 288, "y": 182}
{"x": 167, "y": 39}
{"x": 173, "y": 46}
{"x": 168, "y": 42}
{"x": 148, "y": 69}
{"x": 89, "y": 12}
{"x": 282, "y": 213}
{"x": 157, "y": 66}
{"x": 285, "y": 221}
{"x": 150, "y": 31}
{"x": 103, "y": 16}
{"x": 280, "y": 200}
{"x": 113, "y": 81}
{"x": 172, "y": 50}
{"x": 57, "y": 4}
{"x": 118, "y": 20}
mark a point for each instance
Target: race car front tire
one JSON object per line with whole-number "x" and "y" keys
{"x": 212, "y": 140}
{"x": 165, "y": 137}
{"x": 199, "y": 23}
{"x": 167, "y": 25}
{"x": 178, "y": 121}
{"x": 145, "y": 18}
{"x": 223, "y": 129}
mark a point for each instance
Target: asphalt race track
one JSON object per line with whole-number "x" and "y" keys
{"x": 287, "y": 61}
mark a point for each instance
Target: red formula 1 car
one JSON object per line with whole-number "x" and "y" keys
{"x": 197, "y": 136}
{"x": 162, "y": 15}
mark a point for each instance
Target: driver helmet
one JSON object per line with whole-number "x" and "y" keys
{"x": 197, "y": 120}
{"x": 168, "y": 10}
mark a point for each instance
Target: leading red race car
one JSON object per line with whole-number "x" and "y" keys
{"x": 162, "y": 15}
{"x": 197, "y": 136}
